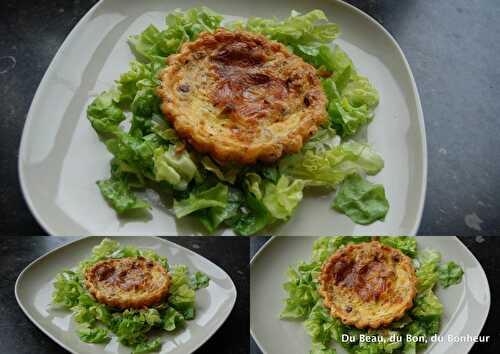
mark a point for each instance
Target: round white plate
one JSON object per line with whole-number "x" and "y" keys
{"x": 34, "y": 288}
{"x": 466, "y": 305}
{"x": 61, "y": 157}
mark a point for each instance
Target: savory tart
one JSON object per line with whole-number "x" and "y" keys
{"x": 132, "y": 282}
{"x": 241, "y": 97}
{"x": 368, "y": 285}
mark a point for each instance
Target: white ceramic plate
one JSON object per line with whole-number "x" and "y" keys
{"x": 61, "y": 157}
{"x": 34, "y": 293}
{"x": 466, "y": 305}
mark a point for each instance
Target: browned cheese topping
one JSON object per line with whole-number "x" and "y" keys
{"x": 241, "y": 97}
{"x": 368, "y": 284}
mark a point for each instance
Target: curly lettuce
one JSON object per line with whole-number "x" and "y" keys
{"x": 97, "y": 322}
{"x": 154, "y": 45}
{"x": 423, "y": 320}
{"x": 214, "y": 197}
{"x": 119, "y": 195}
{"x": 329, "y": 167}
{"x": 449, "y": 274}
{"x": 310, "y": 29}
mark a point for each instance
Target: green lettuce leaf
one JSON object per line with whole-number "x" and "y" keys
{"x": 153, "y": 45}
{"x": 227, "y": 173}
{"x": 172, "y": 320}
{"x": 118, "y": 194}
{"x": 301, "y": 289}
{"x": 351, "y": 97}
{"x": 318, "y": 325}
{"x": 140, "y": 76}
{"x": 88, "y": 311}
{"x": 347, "y": 119}
{"x": 282, "y": 198}
{"x": 331, "y": 167}
{"x": 199, "y": 280}
{"x": 421, "y": 328}
{"x": 359, "y": 92}
{"x": 324, "y": 140}
{"x": 67, "y": 289}
{"x": 145, "y": 103}
{"x": 307, "y": 29}
{"x": 253, "y": 182}
{"x": 182, "y": 295}
{"x": 176, "y": 168}
{"x": 216, "y": 196}
{"x": 135, "y": 154}
{"x": 406, "y": 244}
{"x": 164, "y": 131}
{"x": 194, "y": 21}
{"x": 212, "y": 217}
{"x": 252, "y": 217}
{"x": 449, "y": 274}
{"x": 427, "y": 305}
{"x": 106, "y": 249}
{"x": 93, "y": 335}
{"x": 325, "y": 246}
{"x": 361, "y": 200}
{"x": 269, "y": 172}
{"x": 322, "y": 349}
{"x": 104, "y": 114}
{"x": 427, "y": 272}
{"x": 147, "y": 347}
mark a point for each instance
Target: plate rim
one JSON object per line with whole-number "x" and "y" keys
{"x": 29, "y": 119}
{"x": 78, "y": 239}
{"x": 30, "y": 116}
{"x": 460, "y": 244}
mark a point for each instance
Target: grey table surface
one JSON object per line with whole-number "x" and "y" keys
{"x": 19, "y": 336}
{"x": 485, "y": 249}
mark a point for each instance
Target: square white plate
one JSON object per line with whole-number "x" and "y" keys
{"x": 61, "y": 157}
{"x": 466, "y": 305}
{"x": 34, "y": 288}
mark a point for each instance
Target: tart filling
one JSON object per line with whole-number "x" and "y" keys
{"x": 368, "y": 285}
{"x": 241, "y": 97}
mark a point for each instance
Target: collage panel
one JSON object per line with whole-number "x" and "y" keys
{"x": 304, "y": 119}
{"x": 122, "y": 295}
{"x": 364, "y": 294}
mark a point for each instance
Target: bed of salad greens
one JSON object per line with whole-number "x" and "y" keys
{"x": 131, "y": 326}
{"x": 128, "y": 120}
{"x": 421, "y": 322}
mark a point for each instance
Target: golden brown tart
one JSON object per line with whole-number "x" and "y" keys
{"x": 241, "y": 97}
{"x": 132, "y": 282}
{"x": 368, "y": 285}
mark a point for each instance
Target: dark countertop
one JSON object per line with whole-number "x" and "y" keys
{"x": 19, "y": 336}
{"x": 451, "y": 46}
{"x": 485, "y": 250}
